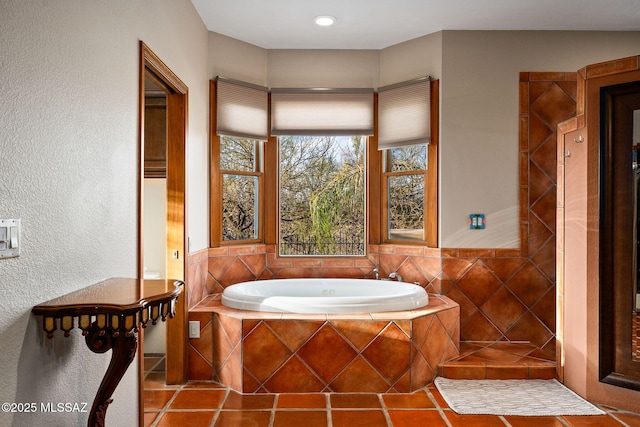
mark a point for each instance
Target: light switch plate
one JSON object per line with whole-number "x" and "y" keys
{"x": 194, "y": 329}
{"x": 10, "y": 238}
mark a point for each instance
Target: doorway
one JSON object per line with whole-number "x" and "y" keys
{"x": 164, "y": 162}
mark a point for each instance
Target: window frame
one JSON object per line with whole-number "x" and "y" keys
{"x": 276, "y": 191}
{"x": 386, "y": 176}
{"x": 216, "y": 183}
{"x": 259, "y": 174}
{"x": 379, "y": 209}
{"x": 375, "y": 187}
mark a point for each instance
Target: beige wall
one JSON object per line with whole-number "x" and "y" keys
{"x": 479, "y": 73}
{"x": 479, "y": 120}
{"x": 69, "y": 143}
{"x": 236, "y": 59}
{"x": 412, "y": 59}
{"x": 323, "y": 68}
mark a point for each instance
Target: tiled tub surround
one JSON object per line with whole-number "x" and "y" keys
{"x": 503, "y": 295}
{"x": 259, "y": 352}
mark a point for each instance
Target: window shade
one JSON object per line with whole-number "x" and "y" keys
{"x": 321, "y": 112}
{"x": 242, "y": 109}
{"x": 404, "y": 114}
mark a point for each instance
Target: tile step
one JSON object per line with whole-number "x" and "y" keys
{"x": 499, "y": 360}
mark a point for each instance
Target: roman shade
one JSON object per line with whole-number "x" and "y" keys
{"x": 322, "y": 112}
{"x": 404, "y": 114}
{"x": 242, "y": 109}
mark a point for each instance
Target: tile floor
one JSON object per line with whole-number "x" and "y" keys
{"x": 209, "y": 404}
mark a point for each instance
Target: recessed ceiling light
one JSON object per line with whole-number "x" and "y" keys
{"x": 324, "y": 20}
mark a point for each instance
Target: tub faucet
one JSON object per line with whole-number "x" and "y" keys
{"x": 377, "y": 273}
{"x": 396, "y": 276}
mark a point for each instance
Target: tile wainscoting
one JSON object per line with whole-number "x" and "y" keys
{"x": 261, "y": 352}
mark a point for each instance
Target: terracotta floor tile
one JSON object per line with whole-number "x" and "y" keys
{"x": 632, "y": 419}
{"x": 349, "y": 400}
{"x": 191, "y": 419}
{"x": 407, "y": 418}
{"x": 458, "y": 420}
{"x": 160, "y": 367}
{"x": 438, "y": 397}
{"x": 414, "y": 400}
{"x": 151, "y": 362}
{"x": 157, "y": 399}
{"x": 243, "y": 419}
{"x": 300, "y": 418}
{"x": 346, "y": 418}
{"x": 204, "y": 384}
{"x": 534, "y": 421}
{"x": 198, "y": 399}
{"x": 149, "y": 418}
{"x": 248, "y": 401}
{"x": 306, "y": 400}
{"x": 595, "y": 420}
{"x": 154, "y": 380}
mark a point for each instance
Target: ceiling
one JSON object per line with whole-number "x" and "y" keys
{"x": 376, "y": 24}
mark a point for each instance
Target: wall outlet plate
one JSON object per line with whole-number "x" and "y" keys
{"x": 477, "y": 221}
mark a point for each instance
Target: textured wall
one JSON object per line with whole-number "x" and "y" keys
{"x": 68, "y": 149}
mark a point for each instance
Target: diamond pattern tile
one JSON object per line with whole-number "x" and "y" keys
{"x": 504, "y": 309}
{"x": 504, "y": 268}
{"x": 478, "y": 328}
{"x": 294, "y": 376}
{"x": 539, "y": 234}
{"x": 236, "y": 273}
{"x": 539, "y": 183}
{"x": 435, "y": 344}
{"x": 554, "y": 106}
{"x": 530, "y": 328}
{"x": 260, "y": 342}
{"x": 478, "y": 283}
{"x": 545, "y": 157}
{"x": 327, "y": 364}
{"x": 529, "y": 284}
{"x": 294, "y": 333}
{"x": 359, "y": 376}
{"x": 389, "y": 353}
{"x": 539, "y": 132}
{"x": 345, "y": 355}
{"x": 359, "y": 334}
{"x": 545, "y": 259}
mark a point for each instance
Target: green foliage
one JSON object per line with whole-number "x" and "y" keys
{"x": 322, "y": 194}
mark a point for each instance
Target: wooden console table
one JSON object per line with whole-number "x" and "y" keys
{"x": 109, "y": 314}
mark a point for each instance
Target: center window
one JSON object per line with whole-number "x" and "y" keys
{"x": 322, "y": 195}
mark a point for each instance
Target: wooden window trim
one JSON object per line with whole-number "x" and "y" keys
{"x": 375, "y": 185}
{"x": 215, "y": 177}
{"x": 380, "y": 228}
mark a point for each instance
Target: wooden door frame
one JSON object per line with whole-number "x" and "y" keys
{"x": 177, "y": 119}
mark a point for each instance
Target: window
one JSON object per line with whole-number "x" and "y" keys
{"x": 407, "y": 136}
{"x": 294, "y": 173}
{"x": 322, "y": 195}
{"x": 239, "y": 116}
{"x": 241, "y": 176}
{"x": 405, "y": 176}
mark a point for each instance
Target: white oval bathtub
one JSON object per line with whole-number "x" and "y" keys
{"x": 325, "y": 296}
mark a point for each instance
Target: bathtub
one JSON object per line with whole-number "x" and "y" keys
{"x": 325, "y": 296}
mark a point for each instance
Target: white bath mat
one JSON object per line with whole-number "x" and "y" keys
{"x": 513, "y": 397}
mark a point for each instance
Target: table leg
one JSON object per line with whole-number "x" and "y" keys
{"x": 123, "y": 347}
